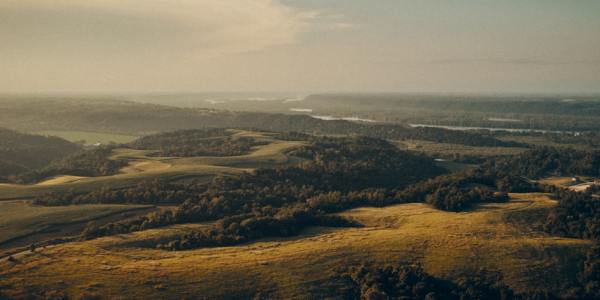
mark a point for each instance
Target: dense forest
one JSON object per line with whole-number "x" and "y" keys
{"x": 20, "y": 153}
{"x": 546, "y": 161}
{"x": 196, "y": 142}
{"x": 403, "y": 281}
{"x": 576, "y": 215}
{"x": 412, "y": 282}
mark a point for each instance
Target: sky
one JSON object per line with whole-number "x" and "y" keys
{"x": 115, "y": 46}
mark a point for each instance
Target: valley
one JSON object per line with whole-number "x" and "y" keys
{"x": 250, "y": 213}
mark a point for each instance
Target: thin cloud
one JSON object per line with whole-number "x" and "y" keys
{"x": 513, "y": 61}
{"x": 192, "y": 27}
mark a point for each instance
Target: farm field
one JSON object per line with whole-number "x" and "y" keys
{"x": 447, "y": 244}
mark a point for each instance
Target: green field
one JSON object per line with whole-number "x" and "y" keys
{"x": 89, "y": 137}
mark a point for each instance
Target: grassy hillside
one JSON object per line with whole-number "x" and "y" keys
{"x": 448, "y": 245}
{"x": 22, "y": 223}
{"x": 142, "y": 167}
{"x": 269, "y": 204}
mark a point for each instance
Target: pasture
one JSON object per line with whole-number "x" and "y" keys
{"x": 447, "y": 244}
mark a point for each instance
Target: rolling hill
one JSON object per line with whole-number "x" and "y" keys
{"x": 20, "y": 152}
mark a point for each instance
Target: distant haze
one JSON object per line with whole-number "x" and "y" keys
{"x": 301, "y": 46}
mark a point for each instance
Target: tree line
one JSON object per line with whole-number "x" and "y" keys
{"x": 196, "y": 142}
{"x": 405, "y": 281}
{"x": 402, "y": 281}
{"x": 577, "y": 214}
{"x": 546, "y": 161}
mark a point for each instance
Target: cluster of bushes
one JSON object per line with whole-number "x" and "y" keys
{"x": 457, "y": 199}
{"x": 196, "y": 142}
{"x": 411, "y": 282}
{"x": 293, "y": 136}
{"x": 590, "y": 274}
{"x": 146, "y": 192}
{"x": 283, "y": 222}
{"x": 149, "y": 221}
{"x": 576, "y": 215}
{"x": 461, "y": 190}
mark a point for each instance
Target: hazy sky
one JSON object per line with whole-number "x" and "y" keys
{"x": 301, "y": 45}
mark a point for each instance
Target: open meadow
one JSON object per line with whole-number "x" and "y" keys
{"x": 446, "y": 244}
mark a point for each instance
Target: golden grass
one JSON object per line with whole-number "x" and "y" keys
{"x": 134, "y": 167}
{"x": 447, "y": 244}
{"x": 61, "y": 180}
{"x": 144, "y": 167}
{"x": 558, "y": 181}
{"x": 20, "y": 218}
